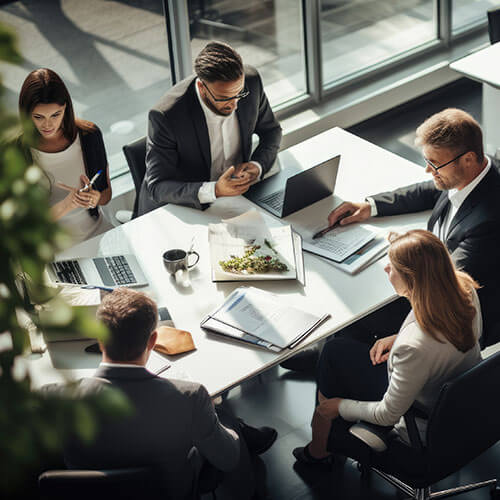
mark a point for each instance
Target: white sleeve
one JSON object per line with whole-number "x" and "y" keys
{"x": 409, "y": 375}
{"x": 206, "y": 193}
{"x": 256, "y": 163}
{"x": 373, "y": 206}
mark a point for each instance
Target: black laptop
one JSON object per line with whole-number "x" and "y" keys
{"x": 290, "y": 190}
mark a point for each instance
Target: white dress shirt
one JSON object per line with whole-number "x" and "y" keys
{"x": 456, "y": 197}
{"x": 225, "y": 147}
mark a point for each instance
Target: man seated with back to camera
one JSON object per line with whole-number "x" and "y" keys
{"x": 464, "y": 196}
{"x": 174, "y": 425}
{"x": 199, "y": 144}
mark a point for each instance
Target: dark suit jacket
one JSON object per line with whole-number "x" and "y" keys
{"x": 170, "y": 418}
{"x": 473, "y": 238}
{"x": 178, "y": 146}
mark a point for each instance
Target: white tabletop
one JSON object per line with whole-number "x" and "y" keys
{"x": 219, "y": 364}
{"x": 482, "y": 65}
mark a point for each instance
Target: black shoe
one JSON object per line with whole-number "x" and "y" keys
{"x": 303, "y": 456}
{"x": 304, "y": 362}
{"x": 258, "y": 440}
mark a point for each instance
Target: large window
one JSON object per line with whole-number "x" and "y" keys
{"x": 112, "y": 55}
{"x": 362, "y": 33}
{"x": 467, "y": 13}
{"x": 267, "y": 33}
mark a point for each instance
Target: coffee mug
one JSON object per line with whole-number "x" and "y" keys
{"x": 179, "y": 259}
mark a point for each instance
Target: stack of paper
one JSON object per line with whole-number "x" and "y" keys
{"x": 246, "y": 248}
{"x": 262, "y": 319}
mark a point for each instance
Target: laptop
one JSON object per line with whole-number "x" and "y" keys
{"x": 110, "y": 272}
{"x": 290, "y": 191}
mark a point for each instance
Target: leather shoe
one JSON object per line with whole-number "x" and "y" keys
{"x": 303, "y": 456}
{"x": 258, "y": 440}
{"x": 304, "y": 362}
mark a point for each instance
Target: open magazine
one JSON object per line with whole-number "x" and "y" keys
{"x": 245, "y": 248}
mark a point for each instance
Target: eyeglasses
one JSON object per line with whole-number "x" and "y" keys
{"x": 244, "y": 93}
{"x": 436, "y": 168}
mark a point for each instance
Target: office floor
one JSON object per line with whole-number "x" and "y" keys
{"x": 285, "y": 400}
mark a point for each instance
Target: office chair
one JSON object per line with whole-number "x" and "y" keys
{"x": 135, "y": 154}
{"x": 494, "y": 24}
{"x": 133, "y": 483}
{"x": 450, "y": 444}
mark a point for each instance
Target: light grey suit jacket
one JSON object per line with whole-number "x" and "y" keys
{"x": 173, "y": 423}
{"x": 178, "y": 157}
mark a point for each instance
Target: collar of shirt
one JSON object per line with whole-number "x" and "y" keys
{"x": 119, "y": 365}
{"x": 210, "y": 116}
{"x": 457, "y": 197}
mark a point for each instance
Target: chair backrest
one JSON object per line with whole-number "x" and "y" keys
{"x": 135, "y": 154}
{"x": 113, "y": 483}
{"x": 465, "y": 419}
{"x": 494, "y": 24}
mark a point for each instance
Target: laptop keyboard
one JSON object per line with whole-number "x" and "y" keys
{"x": 120, "y": 270}
{"x": 69, "y": 271}
{"x": 274, "y": 200}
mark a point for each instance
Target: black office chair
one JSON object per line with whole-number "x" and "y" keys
{"x": 133, "y": 483}
{"x": 135, "y": 154}
{"x": 494, "y": 24}
{"x": 463, "y": 424}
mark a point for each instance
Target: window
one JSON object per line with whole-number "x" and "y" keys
{"x": 467, "y": 13}
{"x": 268, "y": 34}
{"x": 360, "y": 34}
{"x": 112, "y": 55}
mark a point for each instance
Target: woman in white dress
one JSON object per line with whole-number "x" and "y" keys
{"x": 70, "y": 151}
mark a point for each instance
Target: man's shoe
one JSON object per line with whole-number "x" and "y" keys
{"x": 303, "y": 456}
{"x": 304, "y": 362}
{"x": 258, "y": 440}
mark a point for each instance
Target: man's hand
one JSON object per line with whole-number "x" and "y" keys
{"x": 229, "y": 186}
{"x": 247, "y": 170}
{"x": 329, "y": 408}
{"x": 379, "y": 353}
{"x": 359, "y": 212}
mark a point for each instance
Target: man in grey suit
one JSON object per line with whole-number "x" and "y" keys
{"x": 199, "y": 144}
{"x": 174, "y": 425}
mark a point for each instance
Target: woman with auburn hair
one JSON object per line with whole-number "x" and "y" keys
{"x": 70, "y": 151}
{"x": 437, "y": 341}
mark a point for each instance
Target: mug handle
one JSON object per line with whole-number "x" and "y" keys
{"x": 192, "y": 252}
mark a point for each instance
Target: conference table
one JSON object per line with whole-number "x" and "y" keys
{"x": 483, "y": 67}
{"x": 218, "y": 363}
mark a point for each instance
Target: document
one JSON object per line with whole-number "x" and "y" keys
{"x": 262, "y": 318}
{"x": 245, "y": 248}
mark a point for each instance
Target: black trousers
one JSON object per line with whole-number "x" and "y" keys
{"x": 346, "y": 371}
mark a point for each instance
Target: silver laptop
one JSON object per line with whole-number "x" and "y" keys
{"x": 109, "y": 272}
{"x": 293, "y": 188}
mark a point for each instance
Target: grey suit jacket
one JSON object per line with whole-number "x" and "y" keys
{"x": 473, "y": 237}
{"x": 178, "y": 147}
{"x": 173, "y": 422}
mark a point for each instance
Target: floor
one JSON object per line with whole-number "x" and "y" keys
{"x": 285, "y": 400}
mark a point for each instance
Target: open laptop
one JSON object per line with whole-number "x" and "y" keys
{"x": 110, "y": 272}
{"x": 289, "y": 191}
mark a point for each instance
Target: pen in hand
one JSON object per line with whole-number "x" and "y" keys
{"x": 321, "y": 233}
{"x": 91, "y": 183}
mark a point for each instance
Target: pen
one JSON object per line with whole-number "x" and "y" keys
{"x": 91, "y": 287}
{"x": 321, "y": 233}
{"x": 91, "y": 183}
{"x": 162, "y": 369}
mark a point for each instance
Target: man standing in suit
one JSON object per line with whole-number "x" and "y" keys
{"x": 174, "y": 425}
{"x": 464, "y": 195}
{"x": 199, "y": 144}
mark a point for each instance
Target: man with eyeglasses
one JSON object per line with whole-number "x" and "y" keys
{"x": 464, "y": 195}
{"x": 199, "y": 144}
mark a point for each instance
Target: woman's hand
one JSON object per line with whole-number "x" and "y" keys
{"x": 92, "y": 196}
{"x": 329, "y": 408}
{"x": 379, "y": 353}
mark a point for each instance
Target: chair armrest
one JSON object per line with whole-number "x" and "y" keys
{"x": 376, "y": 437}
{"x": 417, "y": 410}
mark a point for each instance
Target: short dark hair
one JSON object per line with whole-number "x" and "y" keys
{"x": 131, "y": 318}
{"x": 454, "y": 129}
{"x": 218, "y": 62}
